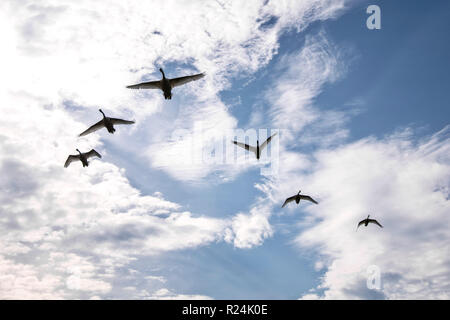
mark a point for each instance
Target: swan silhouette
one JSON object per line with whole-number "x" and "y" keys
{"x": 82, "y": 157}
{"x": 107, "y": 123}
{"x": 366, "y": 222}
{"x": 166, "y": 84}
{"x": 257, "y": 150}
{"x": 297, "y": 199}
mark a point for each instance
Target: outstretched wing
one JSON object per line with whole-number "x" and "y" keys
{"x": 93, "y": 153}
{"x": 360, "y": 223}
{"x": 375, "y": 221}
{"x": 290, "y": 199}
{"x": 245, "y": 146}
{"x": 175, "y": 82}
{"x": 120, "y": 121}
{"x": 146, "y": 85}
{"x": 93, "y": 128}
{"x": 308, "y": 198}
{"x": 71, "y": 159}
{"x": 265, "y": 143}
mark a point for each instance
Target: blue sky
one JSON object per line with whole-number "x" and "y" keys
{"x": 364, "y": 127}
{"x": 385, "y": 78}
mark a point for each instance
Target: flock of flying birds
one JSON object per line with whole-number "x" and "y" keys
{"x": 166, "y": 85}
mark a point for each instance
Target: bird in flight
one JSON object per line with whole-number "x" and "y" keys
{"x": 166, "y": 84}
{"x": 257, "y": 150}
{"x": 106, "y": 122}
{"x": 297, "y": 199}
{"x": 82, "y": 157}
{"x": 366, "y": 221}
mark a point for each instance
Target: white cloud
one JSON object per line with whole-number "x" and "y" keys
{"x": 199, "y": 130}
{"x": 65, "y": 233}
{"x": 84, "y": 52}
{"x": 22, "y": 281}
{"x": 91, "y": 220}
{"x": 301, "y": 78}
{"x": 405, "y": 187}
{"x": 156, "y": 278}
{"x": 85, "y": 55}
{"x": 166, "y": 294}
{"x": 291, "y": 98}
{"x": 401, "y": 182}
{"x": 249, "y": 230}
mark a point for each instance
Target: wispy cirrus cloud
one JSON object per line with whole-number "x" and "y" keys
{"x": 302, "y": 76}
{"x": 291, "y": 107}
{"x": 400, "y": 180}
{"x": 86, "y": 54}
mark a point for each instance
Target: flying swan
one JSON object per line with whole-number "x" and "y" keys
{"x": 106, "y": 122}
{"x": 166, "y": 84}
{"x": 297, "y": 199}
{"x": 257, "y": 150}
{"x": 366, "y": 221}
{"x": 82, "y": 157}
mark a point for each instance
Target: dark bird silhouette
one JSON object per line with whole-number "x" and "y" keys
{"x": 297, "y": 199}
{"x": 366, "y": 221}
{"x": 106, "y": 122}
{"x": 257, "y": 150}
{"x": 82, "y": 157}
{"x": 166, "y": 84}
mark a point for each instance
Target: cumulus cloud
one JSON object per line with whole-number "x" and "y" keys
{"x": 401, "y": 181}
{"x": 404, "y": 185}
{"x": 249, "y": 230}
{"x": 65, "y": 233}
{"x": 23, "y": 281}
{"x": 76, "y": 224}
{"x": 83, "y": 56}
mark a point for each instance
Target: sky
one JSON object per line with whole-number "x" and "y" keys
{"x": 173, "y": 210}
